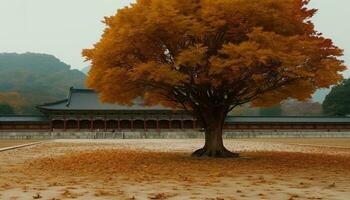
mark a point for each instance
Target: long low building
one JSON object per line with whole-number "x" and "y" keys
{"x": 232, "y": 123}
{"x": 82, "y": 111}
{"x": 24, "y": 123}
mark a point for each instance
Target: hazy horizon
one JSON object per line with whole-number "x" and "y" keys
{"x": 63, "y": 28}
{"x": 60, "y": 28}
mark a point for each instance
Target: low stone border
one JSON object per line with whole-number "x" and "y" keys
{"x": 169, "y": 135}
{"x": 317, "y": 145}
{"x": 20, "y": 146}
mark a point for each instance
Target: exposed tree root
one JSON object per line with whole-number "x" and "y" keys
{"x": 224, "y": 153}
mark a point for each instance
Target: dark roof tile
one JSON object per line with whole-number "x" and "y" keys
{"x": 86, "y": 99}
{"x": 23, "y": 118}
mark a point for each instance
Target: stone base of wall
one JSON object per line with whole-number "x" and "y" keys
{"x": 162, "y": 135}
{"x": 289, "y": 134}
{"x": 102, "y": 135}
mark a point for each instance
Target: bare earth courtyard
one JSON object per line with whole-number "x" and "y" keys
{"x": 162, "y": 169}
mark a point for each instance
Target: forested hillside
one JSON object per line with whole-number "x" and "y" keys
{"x": 337, "y": 102}
{"x": 29, "y": 79}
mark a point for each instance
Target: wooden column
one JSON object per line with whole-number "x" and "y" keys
{"x": 182, "y": 124}
{"x": 158, "y": 129}
{"x": 51, "y": 125}
{"x": 105, "y": 123}
{"x": 145, "y": 125}
{"x": 78, "y": 124}
{"x": 132, "y": 124}
{"x": 194, "y": 124}
{"x": 91, "y": 124}
{"x": 169, "y": 123}
{"x": 64, "y": 125}
{"x": 118, "y": 124}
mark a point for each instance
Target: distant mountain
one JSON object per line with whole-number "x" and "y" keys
{"x": 86, "y": 70}
{"x": 30, "y": 79}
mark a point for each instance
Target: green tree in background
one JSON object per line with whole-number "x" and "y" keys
{"x": 337, "y": 102}
{"x": 6, "y": 109}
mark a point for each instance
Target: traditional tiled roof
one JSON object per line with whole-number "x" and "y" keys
{"x": 86, "y": 99}
{"x": 23, "y": 118}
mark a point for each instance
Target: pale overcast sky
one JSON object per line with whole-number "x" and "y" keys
{"x": 58, "y": 27}
{"x": 64, "y": 27}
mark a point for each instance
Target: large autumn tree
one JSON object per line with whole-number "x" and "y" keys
{"x": 209, "y": 57}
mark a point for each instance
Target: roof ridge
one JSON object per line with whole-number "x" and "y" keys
{"x": 22, "y": 115}
{"x": 52, "y": 103}
{"x": 69, "y": 97}
{"x": 82, "y": 89}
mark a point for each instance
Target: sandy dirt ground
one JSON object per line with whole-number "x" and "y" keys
{"x": 9, "y": 143}
{"x": 162, "y": 169}
{"x": 328, "y": 142}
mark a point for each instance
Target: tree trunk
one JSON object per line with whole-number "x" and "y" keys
{"x": 214, "y": 146}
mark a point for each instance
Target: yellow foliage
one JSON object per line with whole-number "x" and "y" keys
{"x": 222, "y": 52}
{"x": 12, "y": 98}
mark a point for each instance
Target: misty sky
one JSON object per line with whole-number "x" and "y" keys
{"x": 64, "y": 27}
